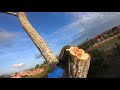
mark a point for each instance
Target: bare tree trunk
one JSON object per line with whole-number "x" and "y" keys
{"x": 75, "y": 62}
{"x": 37, "y": 39}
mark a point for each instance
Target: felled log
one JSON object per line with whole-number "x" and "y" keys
{"x": 74, "y": 61}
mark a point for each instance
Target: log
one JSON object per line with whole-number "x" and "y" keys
{"x": 38, "y": 40}
{"x": 74, "y": 61}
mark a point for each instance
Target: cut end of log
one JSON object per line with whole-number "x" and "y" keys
{"x": 79, "y": 53}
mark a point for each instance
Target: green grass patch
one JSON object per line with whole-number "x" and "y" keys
{"x": 40, "y": 75}
{"x": 108, "y": 43}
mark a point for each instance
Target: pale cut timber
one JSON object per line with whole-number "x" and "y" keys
{"x": 77, "y": 64}
{"x": 79, "y": 53}
{"x": 38, "y": 40}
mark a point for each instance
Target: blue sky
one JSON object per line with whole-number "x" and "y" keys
{"x": 17, "y": 51}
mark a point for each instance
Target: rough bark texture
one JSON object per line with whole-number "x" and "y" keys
{"x": 73, "y": 64}
{"x": 37, "y": 39}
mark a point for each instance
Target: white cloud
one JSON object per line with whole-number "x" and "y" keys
{"x": 90, "y": 19}
{"x": 4, "y": 35}
{"x": 18, "y": 65}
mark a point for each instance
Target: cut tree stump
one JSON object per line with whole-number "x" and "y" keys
{"x": 74, "y": 61}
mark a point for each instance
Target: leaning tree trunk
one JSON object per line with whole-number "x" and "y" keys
{"x": 74, "y": 61}
{"x": 37, "y": 39}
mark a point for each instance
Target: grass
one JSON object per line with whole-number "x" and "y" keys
{"x": 40, "y": 75}
{"x": 105, "y": 45}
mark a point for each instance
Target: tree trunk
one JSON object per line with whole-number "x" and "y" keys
{"x": 38, "y": 40}
{"x": 74, "y": 61}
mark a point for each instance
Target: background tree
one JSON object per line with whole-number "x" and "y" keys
{"x": 37, "y": 66}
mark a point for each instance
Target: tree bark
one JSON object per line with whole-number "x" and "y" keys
{"x": 74, "y": 61}
{"x": 38, "y": 40}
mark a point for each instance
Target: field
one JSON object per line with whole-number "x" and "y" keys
{"x": 109, "y": 43}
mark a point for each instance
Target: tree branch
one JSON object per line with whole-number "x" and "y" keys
{"x": 11, "y": 13}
